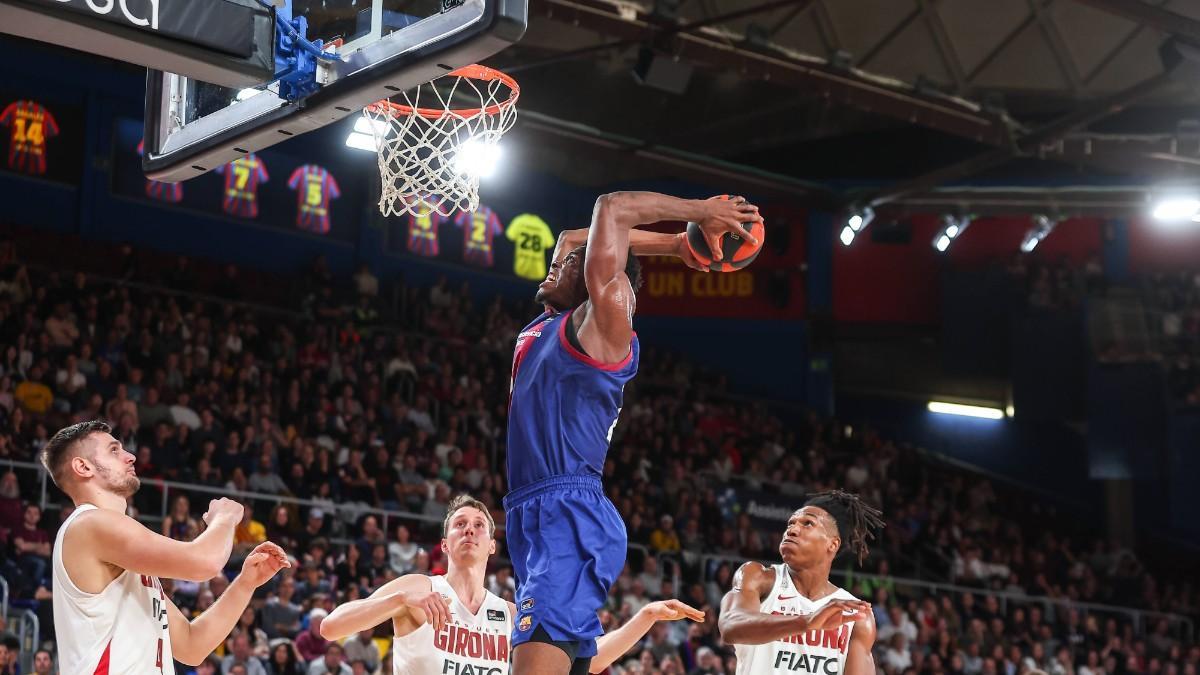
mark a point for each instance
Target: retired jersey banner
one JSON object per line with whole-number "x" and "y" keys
{"x": 274, "y": 188}
{"x": 41, "y": 139}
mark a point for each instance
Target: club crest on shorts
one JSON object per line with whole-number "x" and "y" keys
{"x": 526, "y": 623}
{"x": 495, "y": 615}
{"x": 526, "y": 604}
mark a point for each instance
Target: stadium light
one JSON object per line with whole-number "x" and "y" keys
{"x": 365, "y": 132}
{"x": 857, "y": 222}
{"x": 1042, "y": 227}
{"x": 943, "y": 408}
{"x": 847, "y": 235}
{"x": 361, "y": 141}
{"x": 1177, "y": 209}
{"x": 952, "y": 228}
{"x": 248, "y": 93}
{"x": 477, "y": 158}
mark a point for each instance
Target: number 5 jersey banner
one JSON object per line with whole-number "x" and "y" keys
{"x": 314, "y": 188}
{"x": 30, "y": 126}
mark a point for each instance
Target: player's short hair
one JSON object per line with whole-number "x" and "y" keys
{"x": 467, "y": 500}
{"x": 62, "y": 446}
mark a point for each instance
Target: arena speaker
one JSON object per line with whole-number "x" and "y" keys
{"x": 660, "y": 71}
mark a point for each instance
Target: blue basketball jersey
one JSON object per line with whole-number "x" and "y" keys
{"x": 563, "y": 404}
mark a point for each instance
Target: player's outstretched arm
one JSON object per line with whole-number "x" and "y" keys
{"x": 859, "y": 660}
{"x": 116, "y": 539}
{"x": 611, "y": 646}
{"x": 641, "y": 242}
{"x": 392, "y": 600}
{"x": 192, "y": 641}
{"x": 742, "y": 622}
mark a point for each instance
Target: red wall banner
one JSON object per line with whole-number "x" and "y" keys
{"x": 772, "y": 287}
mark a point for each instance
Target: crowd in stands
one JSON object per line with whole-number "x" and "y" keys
{"x": 357, "y": 405}
{"x": 1173, "y": 304}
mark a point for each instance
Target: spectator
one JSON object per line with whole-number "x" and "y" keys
{"x": 402, "y": 552}
{"x": 32, "y": 545}
{"x": 366, "y": 284}
{"x": 241, "y": 654}
{"x": 332, "y": 662}
{"x": 43, "y": 662}
{"x": 285, "y": 661}
{"x": 664, "y": 539}
{"x": 179, "y": 523}
{"x": 310, "y": 644}
{"x": 264, "y": 479}
{"x": 249, "y": 532}
{"x": 32, "y": 394}
{"x": 361, "y": 647}
{"x": 280, "y": 615}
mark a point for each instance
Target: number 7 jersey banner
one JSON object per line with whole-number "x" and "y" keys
{"x": 242, "y": 177}
{"x": 30, "y": 125}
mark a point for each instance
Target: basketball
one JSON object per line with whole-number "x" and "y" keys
{"x": 736, "y": 252}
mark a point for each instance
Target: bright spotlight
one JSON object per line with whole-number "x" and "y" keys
{"x": 366, "y": 125}
{"x": 248, "y": 93}
{"x": 959, "y": 409}
{"x": 861, "y": 219}
{"x": 477, "y": 158}
{"x": 847, "y": 235}
{"x": 952, "y": 228}
{"x": 1174, "y": 210}
{"x": 361, "y": 141}
{"x": 1042, "y": 227}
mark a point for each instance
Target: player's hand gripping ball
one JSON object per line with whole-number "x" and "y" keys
{"x": 736, "y": 252}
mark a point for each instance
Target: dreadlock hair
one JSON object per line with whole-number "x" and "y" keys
{"x": 856, "y": 520}
{"x": 633, "y": 267}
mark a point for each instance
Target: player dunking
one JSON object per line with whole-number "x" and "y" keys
{"x": 451, "y": 624}
{"x": 110, "y": 612}
{"x": 789, "y": 618}
{"x": 570, "y": 366}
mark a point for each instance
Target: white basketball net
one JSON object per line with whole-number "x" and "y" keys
{"x": 431, "y": 145}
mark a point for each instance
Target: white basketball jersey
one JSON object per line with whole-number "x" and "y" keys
{"x": 470, "y": 644}
{"x": 817, "y": 652}
{"x": 122, "y": 629}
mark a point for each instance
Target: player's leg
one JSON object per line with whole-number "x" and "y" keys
{"x": 530, "y": 658}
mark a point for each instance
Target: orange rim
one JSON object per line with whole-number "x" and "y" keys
{"x": 473, "y": 72}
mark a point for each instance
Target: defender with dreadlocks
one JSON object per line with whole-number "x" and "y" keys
{"x": 789, "y": 618}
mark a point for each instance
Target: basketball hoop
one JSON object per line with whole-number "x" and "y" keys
{"x": 429, "y": 156}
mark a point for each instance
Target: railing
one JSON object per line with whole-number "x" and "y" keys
{"x": 667, "y": 562}
{"x": 29, "y": 635}
{"x": 1138, "y": 617}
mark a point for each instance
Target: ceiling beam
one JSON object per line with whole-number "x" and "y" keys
{"x": 651, "y": 30}
{"x": 1025, "y": 145}
{"x": 813, "y": 76}
{"x": 1151, "y": 16}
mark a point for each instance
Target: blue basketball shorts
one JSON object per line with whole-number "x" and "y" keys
{"x": 567, "y": 543}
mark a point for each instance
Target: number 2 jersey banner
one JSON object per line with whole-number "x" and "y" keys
{"x": 41, "y": 139}
{"x": 274, "y": 188}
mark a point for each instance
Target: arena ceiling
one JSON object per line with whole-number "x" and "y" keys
{"x": 909, "y": 93}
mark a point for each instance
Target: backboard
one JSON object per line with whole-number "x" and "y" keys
{"x": 383, "y": 47}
